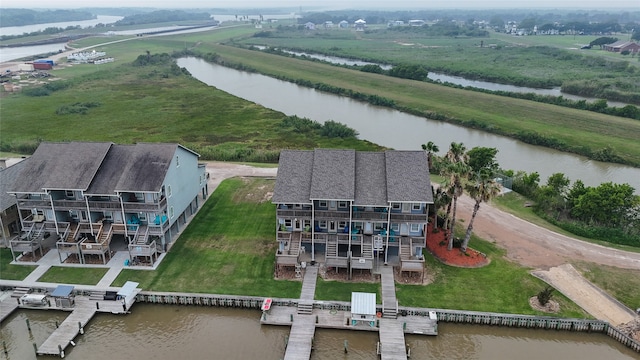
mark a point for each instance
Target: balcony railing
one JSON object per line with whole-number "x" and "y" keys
{"x": 289, "y": 213}
{"x": 106, "y": 205}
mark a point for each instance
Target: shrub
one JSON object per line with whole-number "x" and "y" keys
{"x": 545, "y": 295}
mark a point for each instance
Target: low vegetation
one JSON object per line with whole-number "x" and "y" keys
{"x": 12, "y": 272}
{"x": 73, "y": 275}
{"x": 622, "y": 284}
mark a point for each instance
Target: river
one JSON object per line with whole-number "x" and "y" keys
{"x": 402, "y": 131}
{"x": 18, "y": 30}
{"x": 189, "y": 332}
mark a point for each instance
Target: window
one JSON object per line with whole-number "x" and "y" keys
{"x": 342, "y": 204}
{"x": 395, "y": 206}
{"x": 201, "y": 177}
{"x": 395, "y": 227}
{"x": 177, "y": 161}
{"x": 297, "y": 206}
{"x": 342, "y": 224}
{"x": 322, "y": 224}
{"x": 142, "y": 216}
{"x": 379, "y": 226}
{"x": 168, "y": 190}
{"x": 416, "y": 206}
{"x": 415, "y": 228}
{"x": 171, "y": 212}
{"x": 287, "y": 222}
{"x": 322, "y": 203}
{"x": 69, "y": 194}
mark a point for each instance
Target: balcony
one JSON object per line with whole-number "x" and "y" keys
{"x": 292, "y": 213}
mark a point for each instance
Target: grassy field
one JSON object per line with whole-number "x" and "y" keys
{"x": 73, "y": 275}
{"x": 501, "y": 286}
{"x": 508, "y": 116}
{"x": 227, "y": 249}
{"x": 12, "y": 272}
{"x": 152, "y": 104}
{"x": 622, "y": 284}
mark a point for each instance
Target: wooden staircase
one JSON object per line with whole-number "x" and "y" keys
{"x": 294, "y": 247}
{"x": 97, "y": 295}
{"x": 19, "y": 291}
{"x": 73, "y": 232}
{"x": 367, "y": 250}
{"x": 305, "y": 307}
{"x": 405, "y": 250}
{"x": 332, "y": 248}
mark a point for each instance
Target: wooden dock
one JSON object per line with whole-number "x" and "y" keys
{"x": 392, "y": 345}
{"x": 74, "y": 324}
{"x": 389, "y": 301}
{"x": 303, "y": 327}
{"x": 7, "y": 306}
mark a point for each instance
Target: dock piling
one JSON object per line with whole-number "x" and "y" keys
{"x": 4, "y": 347}
{"x": 28, "y": 326}
{"x": 81, "y": 330}
{"x": 346, "y": 346}
{"x": 35, "y": 348}
{"x": 57, "y": 325}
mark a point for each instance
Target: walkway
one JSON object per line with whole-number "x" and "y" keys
{"x": 389, "y": 302}
{"x": 392, "y": 345}
{"x": 304, "y": 325}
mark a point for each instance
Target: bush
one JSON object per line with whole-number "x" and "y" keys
{"x": 332, "y": 129}
{"x": 545, "y": 295}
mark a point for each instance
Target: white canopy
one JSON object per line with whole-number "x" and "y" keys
{"x": 363, "y": 304}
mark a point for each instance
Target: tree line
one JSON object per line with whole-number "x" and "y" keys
{"x": 608, "y": 212}
{"x": 21, "y": 17}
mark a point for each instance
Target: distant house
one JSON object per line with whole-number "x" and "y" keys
{"x": 352, "y": 209}
{"x": 360, "y": 25}
{"x": 416, "y": 22}
{"x": 621, "y": 46}
{"x": 343, "y": 24}
{"x": 9, "y": 219}
{"x": 328, "y": 24}
{"x": 395, "y": 23}
{"x": 310, "y": 26}
{"x": 87, "y": 200}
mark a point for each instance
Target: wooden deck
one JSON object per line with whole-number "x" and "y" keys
{"x": 74, "y": 324}
{"x": 309, "y": 283}
{"x": 388, "y": 284}
{"x": 7, "y": 306}
{"x": 300, "y": 338}
{"x": 392, "y": 345}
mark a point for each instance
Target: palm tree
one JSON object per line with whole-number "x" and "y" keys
{"x": 483, "y": 189}
{"x": 457, "y": 153}
{"x": 441, "y": 199}
{"x": 431, "y": 149}
{"x": 457, "y": 171}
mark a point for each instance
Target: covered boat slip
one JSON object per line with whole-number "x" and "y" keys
{"x": 363, "y": 308}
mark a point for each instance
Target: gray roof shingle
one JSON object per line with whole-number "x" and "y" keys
{"x": 408, "y": 176}
{"x": 367, "y": 178}
{"x": 58, "y": 166}
{"x": 146, "y": 167}
{"x": 293, "y": 183}
{"x": 371, "y": 182}
{"x": 333, "y": 176}
{"x": 8, "y": 178}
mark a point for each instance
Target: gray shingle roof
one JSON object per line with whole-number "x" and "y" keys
{"x": 371, "y": 182}
{"x": 97, "y": 168}
{"x": 408, "y": 177}
{"x": 110, "y": 171}
{"x": 368, "y": 178}
{"x": 58, "y": 166}
{"x": 8, "y": 178}
{"x": 293, "y": 183}
{"x": 333, "y": 176}
{"x": 146, "y": 167}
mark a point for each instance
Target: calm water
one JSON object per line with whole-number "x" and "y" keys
{"x": 188, "y": 332}
{"x": 402, "y": 131}
{"x": 13, "y": 53}
{"x": 457, "y": 80}
{"x": 18, "y": 30}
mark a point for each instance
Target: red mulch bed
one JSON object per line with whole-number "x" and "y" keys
{"x": 453, "y": 257}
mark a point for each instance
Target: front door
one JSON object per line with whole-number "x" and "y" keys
{"x": 332, "y": 226}
{"x": 297, "y": 225}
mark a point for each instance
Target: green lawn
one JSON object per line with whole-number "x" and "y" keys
{"x": 501, "y": 286}
{"x": 341, "y": 291}
{"x": 229, "y": 248}
{"x": 73, "y": 275}
{"x": 622, "y": 284}
{"x": 12, "y": 272}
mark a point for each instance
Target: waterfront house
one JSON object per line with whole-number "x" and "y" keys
{"x": 352, "y": 209}
{"x": 360, "y": 25}
{"x": 88, "y": 199}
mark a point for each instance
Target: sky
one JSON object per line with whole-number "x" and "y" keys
{"x": 330, "y": 4}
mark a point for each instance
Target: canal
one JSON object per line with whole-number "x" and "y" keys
{"x": 402, "y": 131}
{"x": 161, "y": 332}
